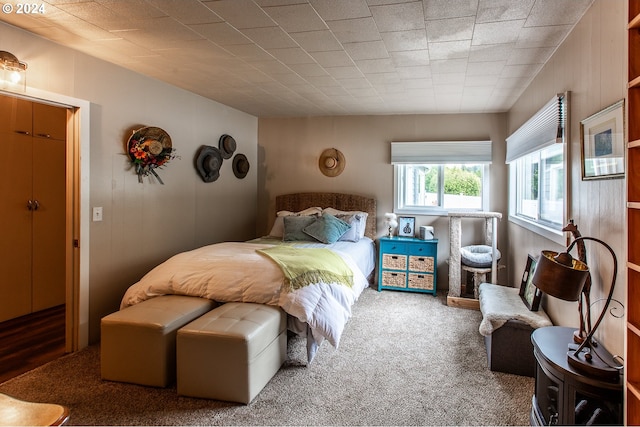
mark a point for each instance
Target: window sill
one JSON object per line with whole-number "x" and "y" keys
{"x": 432, "y": 211}
{"x": 555, "y": 236}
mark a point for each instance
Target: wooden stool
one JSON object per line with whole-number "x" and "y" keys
{"x": 16, "y": 412}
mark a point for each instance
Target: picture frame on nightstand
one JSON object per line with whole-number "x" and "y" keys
{"x": 406, "y": 226}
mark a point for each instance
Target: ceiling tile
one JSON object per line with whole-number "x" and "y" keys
{"x": 186, "y": 12}
{"x": 315, "y": 41}
{"x": 398, "y": 17}
{"x": 487, "y": 68}
{"x": 410, "y": 58}
{"x": 441, "y": 9}
{"x": 354, "y": 83}
{"x": 344, "y": 72}
{"x": 497, "y": 32}
{"x": 296, "y": 18}
{"x": 221, "y": 33}
{"x": 556, "y": 12}
{"x": 270, "y": 37}
{"x": 405, "y": 40}
{"x": 308, "y": 70}
{"x": 99, "y": 15}
{"x": 249, "y": 52}
{"x": 375, "y": 65}
{"x": 481, "y": 80}
{"x": 422, "y": 72}
{"x": 366, "y": 50}
{"x": 333, "y": 10}
{"x": 446, "y": 79}
{"x": 453, "y": 29}
{"x": 241, "y": 13}
{"x": 449, "y": 50}
{"x": 133, "y": 9}
{"x": 292, "y": 55}
{"x": 496, "y": 52}
{"x": 337, "y": 58}
{"x": 503, "y": 10}
{"x": 355, "y": 30}
{"x": 449, "y": 66}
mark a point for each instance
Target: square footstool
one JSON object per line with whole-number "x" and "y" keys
{"x": 231, "y": 352}
{"x": 138, "y": 343}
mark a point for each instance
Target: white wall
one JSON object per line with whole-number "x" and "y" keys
{"x": 591, "y": 64}
{"x": 289, "y": 149}
{"x": 144, "y": 223}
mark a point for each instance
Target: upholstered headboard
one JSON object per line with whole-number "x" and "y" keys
{"x": 345, "y": 202}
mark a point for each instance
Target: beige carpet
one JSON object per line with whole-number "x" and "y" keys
{"x": 404, "y": 359}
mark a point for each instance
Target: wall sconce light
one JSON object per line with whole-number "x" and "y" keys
{"x": 13, "y": 72}
{"x": 331, "y": 162}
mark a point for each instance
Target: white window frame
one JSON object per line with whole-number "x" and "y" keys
{"x": 399, "y": 189}
{"x": 439, "y": 153}
{"x": 548, "y": 126}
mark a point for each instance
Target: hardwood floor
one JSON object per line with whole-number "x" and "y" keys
{"x": 30, "y": 341}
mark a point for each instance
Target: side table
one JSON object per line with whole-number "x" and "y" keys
{"x": 564, "y": 396}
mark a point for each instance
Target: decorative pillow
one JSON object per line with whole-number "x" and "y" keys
{"x": 293, "y": 226}
{"x": 362, "y": 222}
{"x": 352, "y": 234}
{"x": 327, "y": 228}
{"x": 479, "y": 256}
{"x": 278, "y": 225}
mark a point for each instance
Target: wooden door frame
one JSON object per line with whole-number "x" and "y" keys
{"x": 77, "y": 219}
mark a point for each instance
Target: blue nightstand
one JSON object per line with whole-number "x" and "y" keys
{"x": 407, "y": 264}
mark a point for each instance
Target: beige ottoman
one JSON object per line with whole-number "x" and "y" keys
{"x": 138, "y": 343}
{"x": 231, "y": 352}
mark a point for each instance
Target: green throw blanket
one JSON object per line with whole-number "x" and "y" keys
{"x": 304, "y": 266}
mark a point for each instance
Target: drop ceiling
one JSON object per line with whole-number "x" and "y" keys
{"x": 273, "y": 58}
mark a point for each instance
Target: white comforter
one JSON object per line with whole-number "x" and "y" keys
{"x": 234, "y": 271}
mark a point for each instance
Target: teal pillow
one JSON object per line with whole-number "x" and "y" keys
{"x": 327, "y": 228}
{"x": 293, "y": 226}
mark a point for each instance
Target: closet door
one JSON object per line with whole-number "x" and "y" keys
{"x": 15, "y": 216}
{"x": 49, "y": 220}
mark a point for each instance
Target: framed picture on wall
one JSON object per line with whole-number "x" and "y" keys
{"x": 406, "y": 226}
{"x": 528, "y": 292}
{"x": 603, "y": 143}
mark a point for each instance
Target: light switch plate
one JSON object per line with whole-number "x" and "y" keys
{"x": 97, "y": 214}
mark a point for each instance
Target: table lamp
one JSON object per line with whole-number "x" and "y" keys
{"x": 391, "y": 220}
{"x": 563, "y": 277}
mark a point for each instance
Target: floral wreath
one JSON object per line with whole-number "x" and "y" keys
{"x": 150, "y": 148}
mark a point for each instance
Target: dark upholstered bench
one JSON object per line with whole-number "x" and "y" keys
{"x": 507, "y": 325}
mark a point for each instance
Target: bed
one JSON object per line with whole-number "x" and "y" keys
{"x": 300, "y": 266}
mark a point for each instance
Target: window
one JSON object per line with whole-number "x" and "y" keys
{"x": 428, "y": 188}
{"x": 540, "y": 186}
{"x": 536, "y": 155}
{"x": 434, "y": 177}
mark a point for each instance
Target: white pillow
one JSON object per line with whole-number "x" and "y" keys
{"x": 362, "y": 218}
{"x": 353, "y": 233}
{"x": 278, "y": 225}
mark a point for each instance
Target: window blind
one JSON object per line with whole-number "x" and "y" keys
{"x": 441, "y": 152}
{"x": 545, "y": 128}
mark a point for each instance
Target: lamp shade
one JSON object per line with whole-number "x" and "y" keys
{"x": 560, "y": 276}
